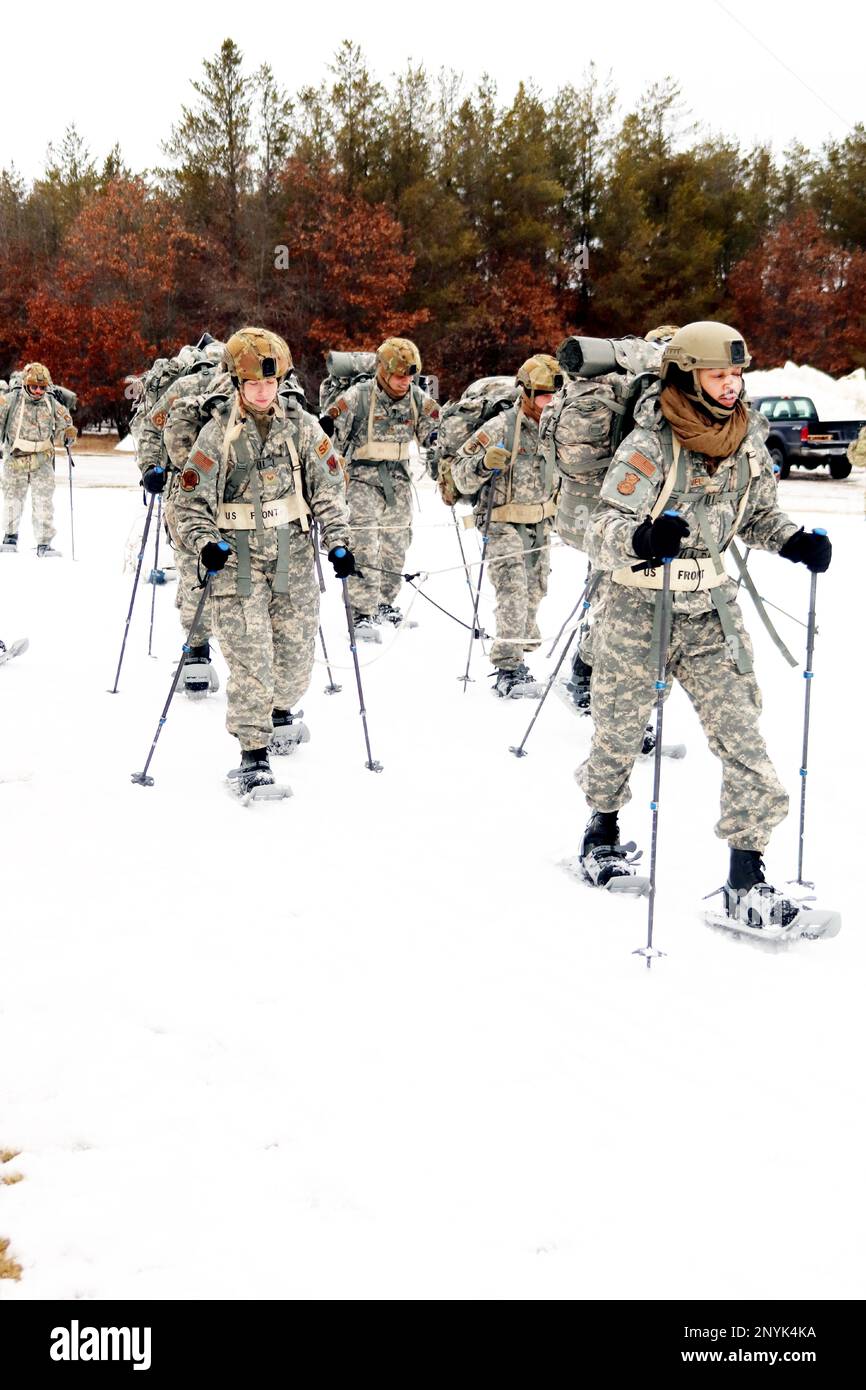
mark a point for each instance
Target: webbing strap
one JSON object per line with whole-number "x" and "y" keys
{"x": 281, "y": 578}
{"x": 245, "y": 578}
{"x": 385, "y": 483}
{"x": 729, "y": 628}
{"x": 759, "y": 604}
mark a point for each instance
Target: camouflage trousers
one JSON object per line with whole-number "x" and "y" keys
{"x": 379, "y": 535}
{"x": 727, "y": 703}
{"x": 268, "y": 641}
{"x": 188, "y": 593}
{"x": 520, "y": 583}
{"x": 35, "y": 471}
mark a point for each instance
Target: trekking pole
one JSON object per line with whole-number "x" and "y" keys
{"x": 141, "y": 778}
{"x": 458, "y": 528}
{"x": 808, "y": 675}
{"x": 484, "y": 539}
{"x": 350, "y": 623}
{"x": 649, "y": 951}
{"x": 330, "y": 688}
{"x": 113, "y": 690}
{"x": 71, "y": 513}
{"x": 155, "y": 570}
{"x": 520, "y": 752}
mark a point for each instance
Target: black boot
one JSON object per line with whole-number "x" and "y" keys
{"x": 10, "y": 542}
{"x": 199, "y": 673}
{"x": 578, "y": 682}
{"x": 602, "y": 857}
{"x": 515, "y": 682}
{"x": 750, "y": 898}
{"x": 255, "y": 770}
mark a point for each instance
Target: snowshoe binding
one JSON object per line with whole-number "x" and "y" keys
{"x": 604, "y": 862}
{"x": 254, "y": 781}
{"x": 516, "y": 684}
{"x": 10, "y": 544}
{"x": 199, "y": 674}
{"x": 365, "y": 628}
{"x": 753, "y": 907}
{"x": 19, "y": 646}
{"x": 289, "y": 731}
{"x": 388, "y": 613}
{"x": 46, "y": 551}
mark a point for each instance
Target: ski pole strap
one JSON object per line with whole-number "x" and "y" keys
{"x": 245, "y": 578}
{"x": 747, "y": 579}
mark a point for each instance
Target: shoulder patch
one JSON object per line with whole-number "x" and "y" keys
{"x": 189, "y": 479}
{"x": 431, "y": 408}
{"x": 628, "y": 484}
{"x": 339, "y": 407}
{"x": 159, "y": 418}
{"x": 333, "y": 466}
{"x": 483, "y": 438}
{"x": 203, "y": 461}
{"x": 642, "y": 464}
{"x": 323, "y": 446}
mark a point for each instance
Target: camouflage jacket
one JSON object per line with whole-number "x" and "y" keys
{"x": 530, "y": 478}
{"x": 413, "y": 416}
{"x": 634, "y": 481}
{"x": 151, "y": 446}
{"x": 205, "y": 481}
{"x": 25, "y": 419}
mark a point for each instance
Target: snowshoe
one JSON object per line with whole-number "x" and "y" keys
{"x": 754, "y": 907}
{"x": 604, "y": 862}
{"x": 516, "y": 684}
{"x": 388, "y": 613}
{"x": 199, "y": 674}
{"x": 7, "y": 653}
{"x": 289, "y": 731}
{"x": 156, "y": 577}
{"x": 45, "y": 551}
{"x": 365, "y": 628}
{"x": 254, "y": 781}
{"x": 10, "y": 544}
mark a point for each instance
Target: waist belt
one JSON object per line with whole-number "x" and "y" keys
{"x": 692, "y": 575}
{"x": 241, "y": 516}
{"x": 32, "y": 446}
{"x": 520, "y": 513}
{"x": 382, "y": 451}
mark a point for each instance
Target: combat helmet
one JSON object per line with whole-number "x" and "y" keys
{"x": 705, "y": 345}
{"x": 662, "y": 334}
{"x": 34, "y": 374}
{"x": 399, "y": 357}
{"x": 252, "y": 354}
{"x": 540, "y": 375}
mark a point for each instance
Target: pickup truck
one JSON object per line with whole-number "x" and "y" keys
{"x": 797, "y": 436}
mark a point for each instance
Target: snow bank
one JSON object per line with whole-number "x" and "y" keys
{"x": 844, "y": 399}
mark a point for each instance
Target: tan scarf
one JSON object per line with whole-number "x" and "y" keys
{"x": 717, "y": 439}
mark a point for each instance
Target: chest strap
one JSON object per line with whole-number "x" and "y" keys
{"x": 384, "y": 451}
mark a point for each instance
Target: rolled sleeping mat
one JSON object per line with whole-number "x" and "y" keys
{"x": 345, "y": 364}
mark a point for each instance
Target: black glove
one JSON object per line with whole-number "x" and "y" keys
{"x": 327, "y": 423}
{"x": 660, "y": 539}
{"x": 214, "y": 555}
{"x": 809, "y": 548}
{"x": 343, "y": 561}
{"x": 153, "y": 479}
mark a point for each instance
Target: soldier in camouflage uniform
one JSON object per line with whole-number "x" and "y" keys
{"x": 160, "y": 471}
{"x": 504, "y": 463}
{"x": 31, "y": 422}
{"x": 698, "y": 450}
{"x": 258, "y": 470}
{"x": 374, "y": 423}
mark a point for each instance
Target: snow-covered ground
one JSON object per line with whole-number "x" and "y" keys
{"x": 373, "y": 1041}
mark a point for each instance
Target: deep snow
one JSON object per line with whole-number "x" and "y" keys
{"x": 373, "y": 1041}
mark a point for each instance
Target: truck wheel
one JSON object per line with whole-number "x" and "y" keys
{"x": 780, "y": 461}
{"x": 839, "y": 468}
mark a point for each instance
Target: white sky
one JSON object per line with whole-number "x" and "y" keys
{"x": 122, "y": 73}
